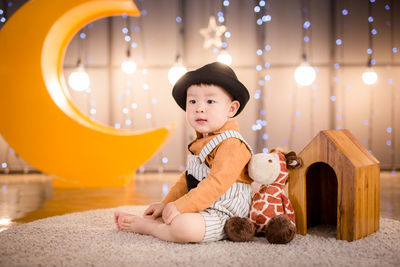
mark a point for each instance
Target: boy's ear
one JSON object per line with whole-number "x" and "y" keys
{"x": 233, "y": 108}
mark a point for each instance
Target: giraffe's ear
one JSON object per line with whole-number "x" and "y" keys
{"x": 293, "y": 161}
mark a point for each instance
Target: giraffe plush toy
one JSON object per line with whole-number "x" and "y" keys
{"x": 271, "y": 212}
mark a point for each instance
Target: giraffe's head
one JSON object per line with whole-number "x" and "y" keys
{"x": 267, "y": 168}
{"x": 264, "y": 168}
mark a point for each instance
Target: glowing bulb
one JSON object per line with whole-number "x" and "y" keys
{"x": 175, "y": 72}
{"x": 128, "y": 66}
{"x": 225, "y": 58}
{"x": 304, "y": 74}
{"x": 369, "y": 76}
{"x": 79, "y": 80}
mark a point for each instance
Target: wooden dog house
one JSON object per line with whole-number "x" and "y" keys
{"x": 338, "y": 184}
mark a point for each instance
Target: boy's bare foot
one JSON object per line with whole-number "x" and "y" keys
{"x": 118, "y": 217}
{"x": 137, "y": 224}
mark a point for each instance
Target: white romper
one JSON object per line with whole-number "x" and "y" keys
{"x": 235, "y": 202}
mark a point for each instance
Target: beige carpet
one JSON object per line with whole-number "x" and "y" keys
{"x": 90, "y": 239}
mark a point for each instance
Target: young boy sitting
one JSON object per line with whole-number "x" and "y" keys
{"x": 216, "y": 185}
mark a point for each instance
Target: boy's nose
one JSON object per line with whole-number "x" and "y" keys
{"x": 200, "y": 108}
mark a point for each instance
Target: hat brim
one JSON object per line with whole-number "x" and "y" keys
{"x": 233, "y": 86}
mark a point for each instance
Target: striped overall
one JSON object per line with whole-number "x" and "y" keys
{"x": 235, "y": 202}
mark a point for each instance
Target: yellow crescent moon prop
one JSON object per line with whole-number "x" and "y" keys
{"x": 37, "y": 117}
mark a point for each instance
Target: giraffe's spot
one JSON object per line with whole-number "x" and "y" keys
{"x": 269, "y": 211}
{"x": 292, "y": 218}
{"x": 256, "y": 197}
{"x": 260, "y": 219}
{"x": 263, "y": 189}
{"x": 283, "y": 167}
{"x": 279, "y": 209}
{"x": 253, "y": 216}
{"x": 272, "y": 190}
{"x": 274, "y": 200}
{"x": 259, "y": 205}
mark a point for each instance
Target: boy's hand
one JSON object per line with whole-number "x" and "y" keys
{"x": 169, "y": 213}
{"x": 155, "y": 210}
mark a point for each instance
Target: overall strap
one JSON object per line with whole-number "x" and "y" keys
{"x": 218, "y": 139}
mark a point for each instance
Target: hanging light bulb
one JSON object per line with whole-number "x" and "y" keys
{"x": 224, "y": 57}
{"x": 369, "y": 76}
{"x": 79, "y": 80}
{"x": 176, "y": 71}
{"x": 128, "y": 66}
{"x": 304, "y": 74}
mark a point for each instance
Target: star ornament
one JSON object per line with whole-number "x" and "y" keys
{"x": 212, "y": 34}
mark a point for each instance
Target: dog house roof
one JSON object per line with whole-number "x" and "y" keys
{"x": 342, "y": 141}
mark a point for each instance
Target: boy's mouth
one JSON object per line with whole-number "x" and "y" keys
{"x": 201, "y": 121}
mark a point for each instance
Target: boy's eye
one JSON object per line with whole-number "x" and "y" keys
{"x": 210, "y": 101}
{"x": 192, "y": 101}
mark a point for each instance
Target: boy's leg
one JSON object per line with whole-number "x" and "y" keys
{"x": 118, "y": 217}
{"x": 185, "y": 228}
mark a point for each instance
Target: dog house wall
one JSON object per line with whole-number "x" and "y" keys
{"x": 357, "y": 173}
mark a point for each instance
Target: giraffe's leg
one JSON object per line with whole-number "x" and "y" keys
{"x": 239, "y": 229}
{"x": 280, "y": 230}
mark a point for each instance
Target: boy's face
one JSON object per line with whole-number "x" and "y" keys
{"x": 209, "y": 107}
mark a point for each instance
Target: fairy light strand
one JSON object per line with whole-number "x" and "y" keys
{"x": 340, "y": 44}
{"x": 260, "y": 126}
{"x": 392, "y": 128}
{"x": 339, "y": 98}
{"x": 370, "y": 56}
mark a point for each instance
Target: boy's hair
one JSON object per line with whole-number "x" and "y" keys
{"x": 215, "y": 73}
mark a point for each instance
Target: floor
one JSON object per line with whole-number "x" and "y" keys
{"x": 25, "y": 198}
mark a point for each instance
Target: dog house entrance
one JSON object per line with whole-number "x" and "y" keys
{"x": 322, "y": 192}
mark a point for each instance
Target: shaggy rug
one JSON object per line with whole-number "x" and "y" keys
{"x": 91, "y": 239}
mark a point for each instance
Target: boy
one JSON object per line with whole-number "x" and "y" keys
{"x": 216, "y": 185}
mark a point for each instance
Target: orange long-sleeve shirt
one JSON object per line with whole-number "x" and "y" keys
{"x": 227, "y": 163}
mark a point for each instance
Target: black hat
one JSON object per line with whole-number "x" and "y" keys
{"x": 214, "y": 73}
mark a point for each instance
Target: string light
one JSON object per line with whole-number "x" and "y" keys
{"x": 224, "y": 57}
{"x": 178, "y": 69}
{"x": 391, "y": 130}
{"x": 305, "y": 74}
{"x": 176, "y": 72}
{"x": 128, "y": 66}
{"x": 261, "y": 94}
{"x": 369, "y": 76}
{"x": 2, "y": 19}
{"x": 79, "y": 80}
